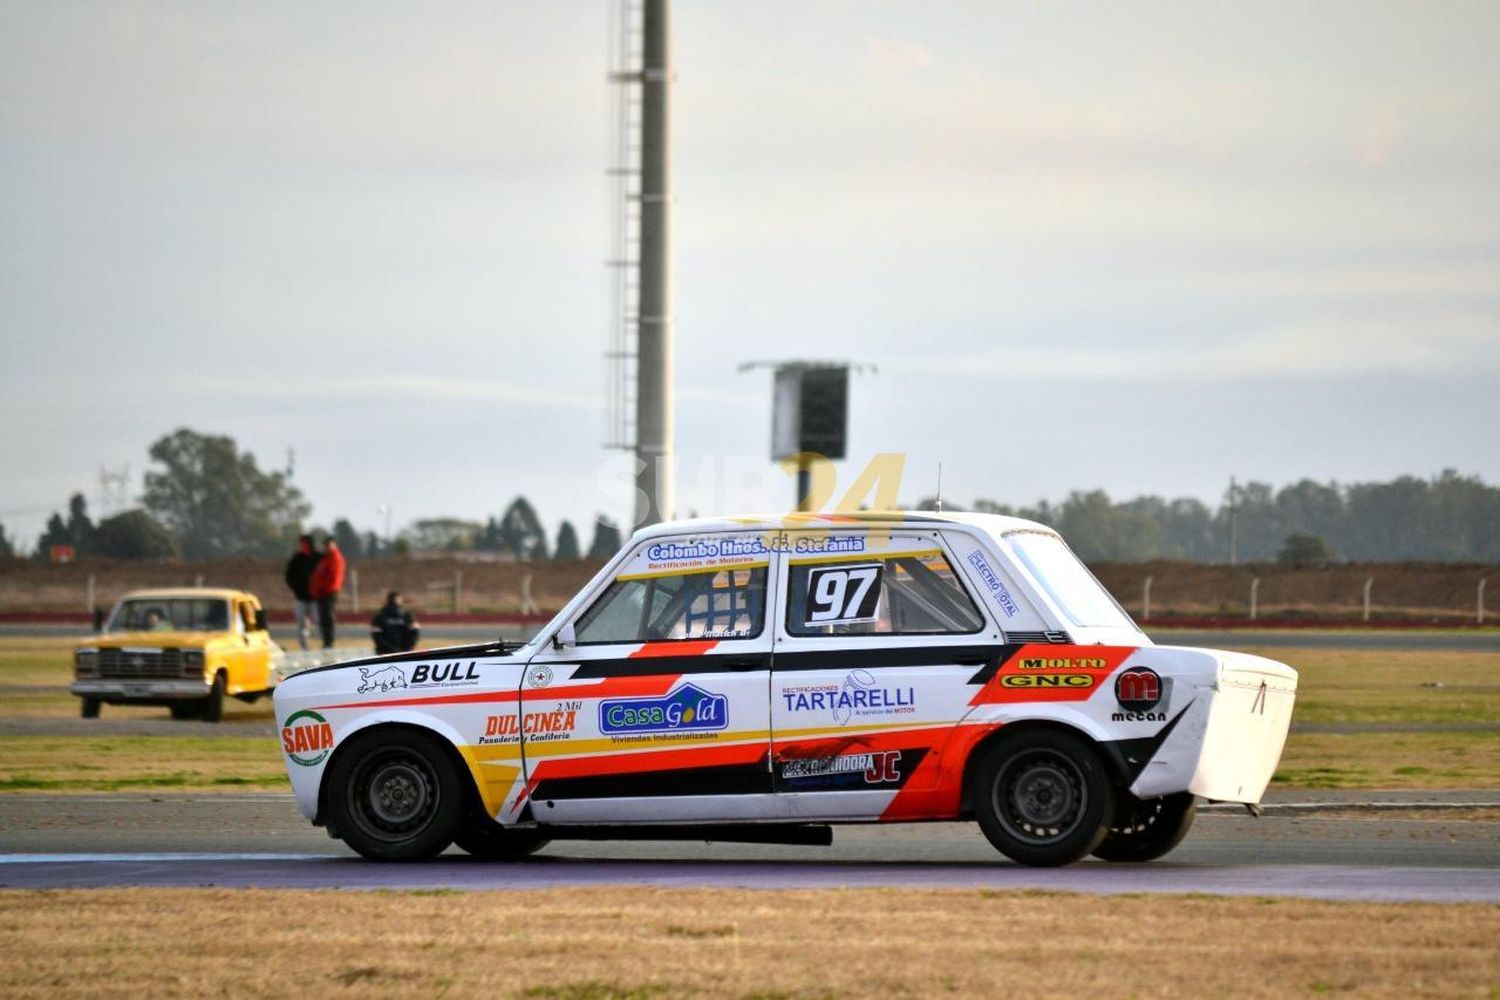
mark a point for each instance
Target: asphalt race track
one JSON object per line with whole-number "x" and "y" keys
{"x": 261, "y": 840}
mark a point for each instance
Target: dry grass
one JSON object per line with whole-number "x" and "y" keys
{"x": 110, "y": 763}
{"x": 1336, "y": 686}
{"x": 650, "y": 942}
{"x": 1339, "y": 685}
{"x": 1390, "y": 760}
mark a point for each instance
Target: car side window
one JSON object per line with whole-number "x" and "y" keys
{"x": 913, "y": 593}
{"x": 701, "y": 604}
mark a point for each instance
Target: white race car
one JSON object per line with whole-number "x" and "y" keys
{"x": 758, "y": 679}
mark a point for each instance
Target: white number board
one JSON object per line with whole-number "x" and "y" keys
{"x": 843, "y": 595}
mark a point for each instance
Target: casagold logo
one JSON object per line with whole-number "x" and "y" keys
{"x": 306, "y": 738}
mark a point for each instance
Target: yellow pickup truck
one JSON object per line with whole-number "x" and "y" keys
{"x": 186, "y": 649}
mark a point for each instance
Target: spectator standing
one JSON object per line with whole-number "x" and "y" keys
{"x": 327, "y": 581}
{"x": 393, "y": 628}
{"x": 299, "y": 571}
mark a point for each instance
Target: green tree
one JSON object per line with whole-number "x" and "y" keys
{"x": 7, "y": 548}
{"x": 607, "y": 539}
{"x": 1304, "y": 550}
{"x": 520, "y": 531}
{"x": 133, "y": 535}
{"x": 347, "y": 538}
{"x": 80, "y": 528}
{"x": 566, "y": 549}
{"x": 217, "y": 501}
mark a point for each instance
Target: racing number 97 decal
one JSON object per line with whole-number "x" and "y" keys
{"x": 843, "y": 595}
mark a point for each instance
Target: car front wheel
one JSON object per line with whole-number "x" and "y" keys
{"x": 90, "y": 708}
{"x": 1042, "y": 797}
{"x": 395, "y": 796}
{"x": 1144, "y": 830}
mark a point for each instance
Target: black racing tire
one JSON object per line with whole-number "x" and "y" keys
{"x": 395, "y": 795}
{"x": 89, "y": 709}
{"x": 1144, "y": 830}
{"x": 486, "y": 839}
{"x": 1042, "y": 797}
{"x": 213, "y": 705}
{"x": 186, "y": 709}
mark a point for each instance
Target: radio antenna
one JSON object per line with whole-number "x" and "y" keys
{"x": 939, "y": 501}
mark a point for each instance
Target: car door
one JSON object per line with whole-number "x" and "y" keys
{"x": 877, "y": 638}
{"x": 656, "y": 707}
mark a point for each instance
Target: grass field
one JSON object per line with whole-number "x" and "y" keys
{"x": 601, "y": 943}
{"x": 1386, "y": 689}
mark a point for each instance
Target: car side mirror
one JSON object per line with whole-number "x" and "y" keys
{"x": 260, "y": 619}
{"x": 565, "y": 637}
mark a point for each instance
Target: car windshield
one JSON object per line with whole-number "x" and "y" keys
{"x": 170, "y": 614}
{"x": 1073, "y": 589}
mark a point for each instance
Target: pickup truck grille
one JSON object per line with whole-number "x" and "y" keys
{"x": 117, "y": 663}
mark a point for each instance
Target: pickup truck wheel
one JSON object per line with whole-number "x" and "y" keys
{"x": 185, "y": 709}
{"x": 395, "y": 796}
{"x": 1145, "y": 830}
{"x": 90, "y": 708}
{"x": 213, "y": 705}
{"x": 489, "y": 840}
{"x": 1042, "y": 797}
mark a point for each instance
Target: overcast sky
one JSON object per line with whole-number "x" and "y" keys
{"x": 1133, "y": 247}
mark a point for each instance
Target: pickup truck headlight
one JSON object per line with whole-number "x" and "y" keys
{"x": 86, "y": 663}
{"x": 192, "y": 663}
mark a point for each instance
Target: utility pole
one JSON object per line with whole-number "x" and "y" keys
{"x": 653, "y": 422}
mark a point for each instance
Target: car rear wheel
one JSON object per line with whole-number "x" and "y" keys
{"x": 487, "y": 839}
{"x": 1144, "y": 830}
{"x": 90, "y": 708}
{"x": 213, "y": 705}
{"x": 395, "y": 796}
{"x": 1042, "y": 797}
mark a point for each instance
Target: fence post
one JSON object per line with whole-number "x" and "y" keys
{"x": 354, "y": 586}
{"x": 89, "y": 598}
{"x": 1146, "y": 599}
{"x": 458, "y": 591}
{"x": 1478, "y": 611}
{"x": 528, "y": 603}
{"x": 1254, "y": 597}
{"x": 198, "y": 580}
{"x": 1370, "y": 582}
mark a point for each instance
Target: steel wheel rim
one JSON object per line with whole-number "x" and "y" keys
{"x": 1040, "y": 796}
{"x": 394, "y": 795}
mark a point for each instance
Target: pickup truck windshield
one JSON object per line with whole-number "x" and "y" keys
{"x": 1072, "y": 588}
{"x": 170, "y": 614}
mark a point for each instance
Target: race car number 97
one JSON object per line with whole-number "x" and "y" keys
{"x": 843, "y": 595}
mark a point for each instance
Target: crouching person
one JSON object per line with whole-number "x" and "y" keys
{"x": 393, "y": 628}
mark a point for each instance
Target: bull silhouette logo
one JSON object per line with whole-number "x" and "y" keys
{"x": 384, "y": 679}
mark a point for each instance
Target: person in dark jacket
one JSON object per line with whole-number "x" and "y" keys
{"x": 327, "y": 581}
{"x": 393, "y": 628}
{"x": 299, "y": 571}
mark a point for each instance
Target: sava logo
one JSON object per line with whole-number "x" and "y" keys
{"x": 688, "y": 709}
{"x": 384, "y": 679}
{"x": 306, "y": 738}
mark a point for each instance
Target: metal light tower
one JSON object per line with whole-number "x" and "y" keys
{"x": 643, "y": 288}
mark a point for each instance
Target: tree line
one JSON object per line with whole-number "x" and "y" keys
{"x": 206, "y": 499}
{"x": 1448, "y": 518}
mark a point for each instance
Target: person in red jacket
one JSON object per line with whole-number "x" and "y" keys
{"x": 327, "y": 580}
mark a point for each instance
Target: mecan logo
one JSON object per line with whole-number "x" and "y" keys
{"x": 1047, "y": 681}
{"x": 306, "y": 738}
{"x": 1138, "y": 689}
